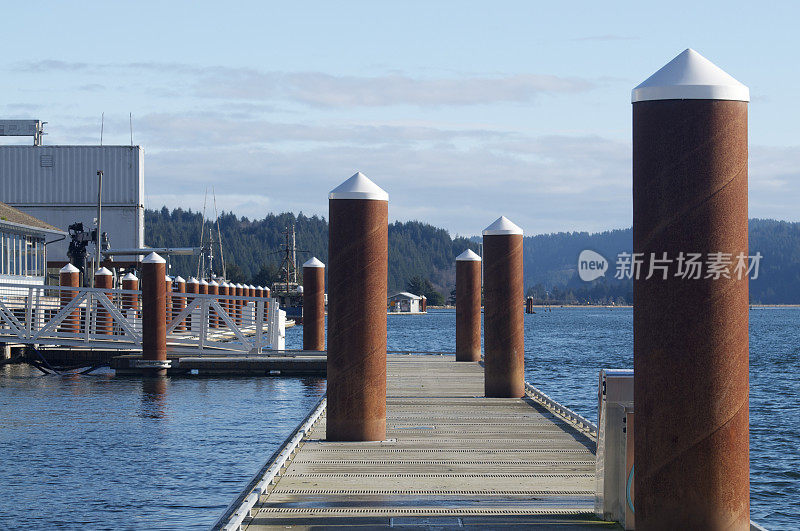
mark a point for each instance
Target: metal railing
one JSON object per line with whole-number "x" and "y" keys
{"x": 112, "y": 318}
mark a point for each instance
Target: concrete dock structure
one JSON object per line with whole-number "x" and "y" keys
{"x": 468, "y": 306}
{"x": 357, "y": 275}
{"x": 690, "y": 333}
{"x": 451, "y": 459}
{"x": 503, "y": 341}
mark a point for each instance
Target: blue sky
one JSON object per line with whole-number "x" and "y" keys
{"x": 462, "y": 111}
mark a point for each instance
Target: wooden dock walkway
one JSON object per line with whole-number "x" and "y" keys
{"x": 452, "y": 459}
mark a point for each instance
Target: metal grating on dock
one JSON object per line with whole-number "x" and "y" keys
{"x": 453, "y": 459}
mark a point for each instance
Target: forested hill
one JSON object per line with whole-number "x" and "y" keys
{"x": 421, "y": 257}
{"x": 252, "y": 248}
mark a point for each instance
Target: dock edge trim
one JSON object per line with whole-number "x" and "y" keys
{"x": 580, "y": 422}
{"x": 240, "y": 509}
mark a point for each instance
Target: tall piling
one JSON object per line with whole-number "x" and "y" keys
{"x": 179, "y": 302}
{"x": 468, "y": 306}
{"x": 358, "y": 268}
{"x": 690, "y": 335}
{"x": 104, "y": 279}
{"x": 69, "y": 277}
{"x": 192, "y": 287}
{"x": 313, "y": 305}
{"x": 154, "y": 312}
{"x": 503, "y": 315}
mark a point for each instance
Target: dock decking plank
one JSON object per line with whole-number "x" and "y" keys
{"x": 453, "y": 459}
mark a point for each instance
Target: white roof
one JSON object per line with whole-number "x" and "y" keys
{"x": 102, "y": 271}
{"x": 690, "y": 76}
{"x": 405, "y": 295}
{"x": 153, "y": 258}
{"x": 69, "y": 268}
{"x": 358, "y": 187}
{"x": 501, "y": 226}
{"x": 468, "y": 256}
{"x": 313, "y": 263}
{"x": 130, "y": 276}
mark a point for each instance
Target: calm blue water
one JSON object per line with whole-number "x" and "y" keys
{"x": 100, "y": 451}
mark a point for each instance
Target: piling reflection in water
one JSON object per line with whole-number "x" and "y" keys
{"x": 154, "y": 393}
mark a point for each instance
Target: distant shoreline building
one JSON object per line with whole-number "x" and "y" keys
{"x": 59, "y": 184}
{"x": 405, "y": 302}
{"x": 24, "y": 246}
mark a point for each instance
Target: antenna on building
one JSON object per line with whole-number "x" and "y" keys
{"x": 130, "y": 116}
{"x": 102, "y": 122}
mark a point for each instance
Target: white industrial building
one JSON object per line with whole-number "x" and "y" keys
{"x": 405, "y": 302}
{"x": 58, "y": 185}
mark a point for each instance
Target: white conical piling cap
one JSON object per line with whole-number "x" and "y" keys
{"x": 203, "y": 282}
{"x": 130, "y": 276}
{"x": 153, "y": 258}
{"x": 103, "y": 271}
{"x": 193, "y": 280}
{"x": 502, "y": 226}
{"x": 358, "y": 187}
{"x": 690, "y": 76}
{"x": 468, "y": 256}
{"x": 180, "y": 279}
{"x": 213, "y": 283}
{"x": 313, "y": 263}
{"x": 69, "y": 268}
{"x": 167, "y": 278}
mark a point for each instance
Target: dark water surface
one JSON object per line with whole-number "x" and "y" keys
{"x": 109, "y": 452}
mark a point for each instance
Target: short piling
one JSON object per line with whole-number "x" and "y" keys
{"x": 104, "y": 279}
{"x": 179, "y": 302}
{"x": 168, "y": 299}
{"x": 468, "y": 306}
{"x": 313, "y": 305}
{"x": 213, "y": 318}
{"x": 192, "y": 287}
{"x": 358, "y": 267}
{"x": 503, "y": 317}
{"x": 690, "y": 334}
{"x": 154, "y": 310}
{"x": 130, "y": 301}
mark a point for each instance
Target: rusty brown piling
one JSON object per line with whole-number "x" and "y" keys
{"x": 313, "y": 305}
{"x": 104, "y": 279}
{"x": 192, "y": 287}
{"x": 69, "y": 277}
{"x": 154, "y": 313}
{"x": 179, "y": 302}
{"x": 223, "y": 301}
{"x": 168, "y": 299}
{"x": 468, "y": 306}
{"x": 213, "y": 318}
{"x": 130, "y": 301}
{"x": 503, "y": 317}
{"x": 690, "y": 335}
{"x": 358, "y": 267}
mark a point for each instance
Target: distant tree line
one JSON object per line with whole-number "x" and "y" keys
{"x": 422, "y": 257}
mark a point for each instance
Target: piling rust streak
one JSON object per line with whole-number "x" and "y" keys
{"x": 468, "y": 310}
{"x": 691, "y": 336}
{"x": 154, "y": 311}
{"x": 503, "y": 318}
{"x": 313, "y": 308}
{"x": 357, "y": 276}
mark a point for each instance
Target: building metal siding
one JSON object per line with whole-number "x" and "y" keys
{"x": 71, "y": 179}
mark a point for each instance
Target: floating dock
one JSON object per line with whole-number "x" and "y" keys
{"x": 452, "y": 459}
